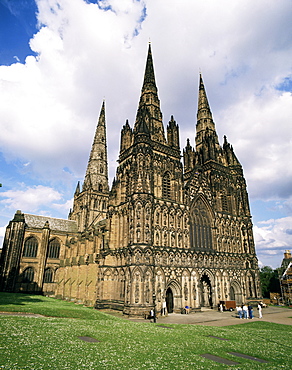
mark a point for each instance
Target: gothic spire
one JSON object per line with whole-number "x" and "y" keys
{"x": 97, "y": 169}
{"x": 205, "y": 129}
{"x": 149, "y": 77}
{"x": 149, "y": 105}
{"x": 204, "y": 110}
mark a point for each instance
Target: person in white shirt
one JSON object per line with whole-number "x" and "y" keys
{"x": 245, "y": 311}
{"x": 239, "y": 311}
{"x": 260, "y": 311}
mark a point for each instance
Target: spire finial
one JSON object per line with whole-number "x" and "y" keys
{"x": 203, "y": 100}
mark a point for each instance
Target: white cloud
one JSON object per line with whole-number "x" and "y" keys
{"x": 260, "y": 130}
{"x": 63, "y": 207}
{"x": 31, "y": 199}
{"x": 272, "y": 238}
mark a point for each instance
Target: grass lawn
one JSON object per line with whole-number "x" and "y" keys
{"x": 52, "y": 342}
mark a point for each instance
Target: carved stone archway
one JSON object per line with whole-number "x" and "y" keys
{"x": 169, "y": 300}
{"x": 236, "y": 292}
{"x": 173, "y": 296}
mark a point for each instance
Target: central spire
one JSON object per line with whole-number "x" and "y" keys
{"x": 204, "y": 110}
{"x": 149, "y": 116}
{"x": 149, "y": 77}
{"x": 205, "y": 128}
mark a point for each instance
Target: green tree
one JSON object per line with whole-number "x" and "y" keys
{"x": 270, "y": 281}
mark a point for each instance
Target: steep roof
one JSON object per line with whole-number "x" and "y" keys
{"x": 56, "y": 224}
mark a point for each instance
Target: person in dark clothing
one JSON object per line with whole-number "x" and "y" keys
{"x": 250, "y": 311}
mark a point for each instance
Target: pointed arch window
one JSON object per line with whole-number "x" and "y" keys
{"x": 166, "y": 188}
{"x": 28, "y": 275}
{"x": 100, "y": 188}
{"x": 48, "y": 275}
{"x": 54, "y": 249}
{"x": 200, "y": 227}
{"x": 30, "y": 247}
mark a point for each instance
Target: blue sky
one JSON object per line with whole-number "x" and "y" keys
{"x": 60, "y": 58}
{"x": 17, "y": 24}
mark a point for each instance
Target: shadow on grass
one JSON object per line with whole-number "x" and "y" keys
{"x": 50, "y": 307}
{"x": 17, "y": 299}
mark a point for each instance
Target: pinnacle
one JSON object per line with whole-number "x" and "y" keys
{"x": 149, "y": 77}
{"x": 203, "y": 103}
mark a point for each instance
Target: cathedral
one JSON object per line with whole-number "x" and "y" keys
{"x": 174, "y": 229}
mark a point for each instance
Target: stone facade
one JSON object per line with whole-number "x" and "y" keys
{"x": 166, "y": 232}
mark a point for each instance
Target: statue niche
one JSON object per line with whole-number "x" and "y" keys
{"x": 206, "y": 292}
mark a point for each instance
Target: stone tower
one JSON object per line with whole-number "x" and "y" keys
{"x": 147, "y": 194}
{"x": 12, "y": 247}
{"x": 90, "y": 204}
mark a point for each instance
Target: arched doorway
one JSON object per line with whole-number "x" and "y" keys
{"x": 169, "y": 300}
{"x": 232, "y": 293}
{"x": 206, "y": 292}
{"x": 235, "y": 293}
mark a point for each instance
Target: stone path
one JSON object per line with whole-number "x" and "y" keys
{"x": 274, "y": 314}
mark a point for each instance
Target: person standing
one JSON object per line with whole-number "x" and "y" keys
{"x": 164, "y": 308}
{"x": 245, "y": 311}
{"x": 260, "y": 311}
{"x": 239, "y": 311}
{"x": 250, "y": 311}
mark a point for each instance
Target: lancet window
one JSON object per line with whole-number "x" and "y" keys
{"x": 48, "y": 275}
{"x": 30, "y": 247}
{"x": 28, "y": 275}
{"x": 54, "y": 249}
